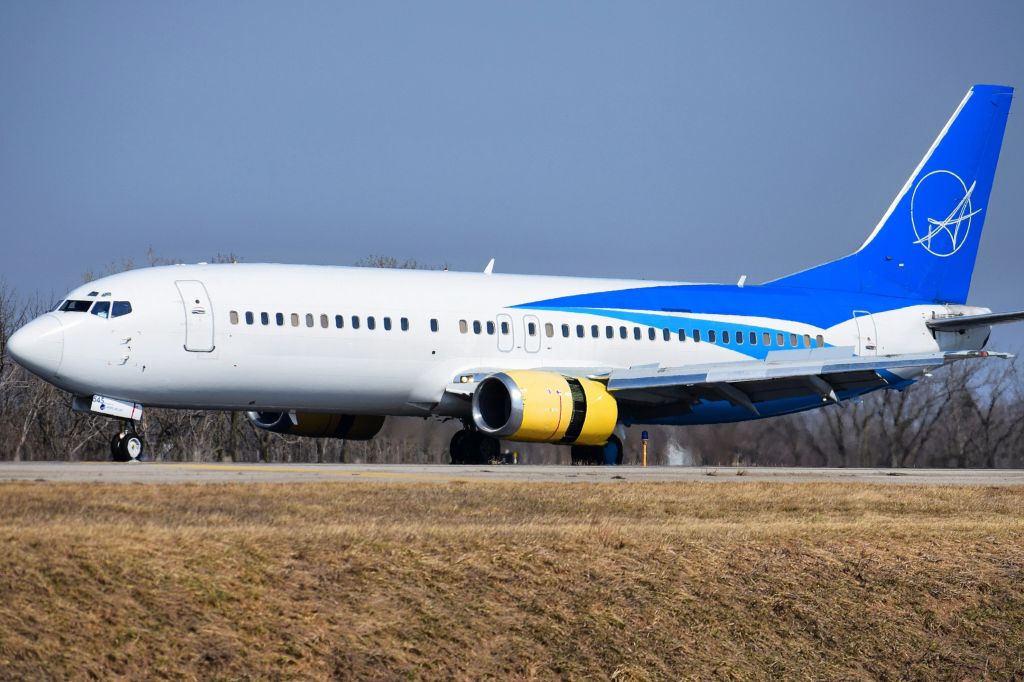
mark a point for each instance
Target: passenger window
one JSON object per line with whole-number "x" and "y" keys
{"x": 463, "y": 327}
{"x": 794, "y": 341}
{"x": 609, "y": 332}
{"x": 821, "y": 341}
{"x": 767, "y": 338}
{"x": 580, "y": 331}
{"x": 594, "y": 331}
{"x": 387, "y": 324}
{"x": 490, "y": 328}
{"x": 476, "y": 327}
{"x": 433, "y": 325}
{"x": 355, "y": 322}
{"x": 549, "y": 329}
{"x": 753, "y": 338}
{"x": 265, "y": 319}
{"x": 280, "y": 319}
{"x": 339, "y": 321}
{"x": 248, "y": 318}
{"x": 780, "y": 340}
{"x": 324, "y": 322}
{"x": 309, "y": 319}
{"x": 234, "y": 317}
{"x": 739, "y": 338}
{"x": 404, "y": 323}
{"x": 371, "y": 322}
{"x": 682, "y": 334}
{"x": 696, "y": 335}
{"x": 666, "y": 334}
{"x": 102, "y": 309}
{"x": 623, "y": 333}
{"x": 504, "y": 327}
{"x": 711, "y": 335}
{"x": 652, "y": 333}
{"x": 636, "y": 333}
{"x": 565, "y": 331}
{"x": 120, "y": 308}
{"x": 807, "y": 341}
{"x": 725, "y": 336}
{"x": 295, "y": 319}
{"x": 531, "y": 329}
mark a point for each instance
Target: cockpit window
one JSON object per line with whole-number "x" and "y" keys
{"x": 121, "y": 308}
{"x": 72, "y": 306}
{"x": 101, "y": 309}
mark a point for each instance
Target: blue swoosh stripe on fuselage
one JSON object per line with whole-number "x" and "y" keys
{"x": 675, "y": 323}
{"x": 815, "y": 307}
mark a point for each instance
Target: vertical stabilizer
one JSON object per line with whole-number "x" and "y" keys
{"x": 925, "y": 245}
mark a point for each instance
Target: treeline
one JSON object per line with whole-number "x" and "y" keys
{"x": 970, "y": 414}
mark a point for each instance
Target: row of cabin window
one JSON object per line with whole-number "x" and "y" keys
{"x": 595, "y": 332}
{"x": 324, "y": 320}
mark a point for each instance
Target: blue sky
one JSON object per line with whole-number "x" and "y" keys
{"x": 681, "y": 141}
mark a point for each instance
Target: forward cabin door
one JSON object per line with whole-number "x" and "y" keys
{"x": 867, "y": 335}
{"x": 505, "y": 338}
{"x": 198, "y": 316}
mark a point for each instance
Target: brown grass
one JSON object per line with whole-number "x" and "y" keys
{"x": 616, "y": 581}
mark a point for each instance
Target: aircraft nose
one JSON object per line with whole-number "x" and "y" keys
{"x": 39, "y": 345}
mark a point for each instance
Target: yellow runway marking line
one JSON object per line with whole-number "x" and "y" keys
{"x": 312, "y": 470}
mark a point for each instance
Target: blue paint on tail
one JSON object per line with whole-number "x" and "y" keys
{"x": 925, "y": 246}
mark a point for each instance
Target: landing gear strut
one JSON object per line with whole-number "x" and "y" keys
{"x": 473, "y": 447}
{"x": 126, "y": 445}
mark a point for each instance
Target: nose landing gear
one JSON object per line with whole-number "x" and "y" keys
{"x": 126, "y": 445}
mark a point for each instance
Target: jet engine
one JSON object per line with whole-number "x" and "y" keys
{"x": 318, "y": 425}
{"x": 544, "y": 407}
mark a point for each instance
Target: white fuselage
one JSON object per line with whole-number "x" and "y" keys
{"x": 267, "y": 337}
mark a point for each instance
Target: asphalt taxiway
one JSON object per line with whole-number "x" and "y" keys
{"x": 154, "y": 472}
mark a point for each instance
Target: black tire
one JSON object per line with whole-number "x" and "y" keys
{"x": 587, "y": 455}
{"x": 471, "y": 444}
{"x": 487, "y": 449}
{"x": 457, "y": 448}
{"x": 131, "y": 447}
{"x": 115, "y": 447}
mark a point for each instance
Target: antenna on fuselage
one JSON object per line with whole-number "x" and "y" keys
{"x": 490, "y": 267}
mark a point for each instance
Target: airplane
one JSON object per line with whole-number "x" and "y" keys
{"x": 330, "y": 352}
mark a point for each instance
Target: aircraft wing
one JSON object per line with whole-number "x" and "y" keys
{"x": 953, "y": 324}
{"x": 654, "y": 391}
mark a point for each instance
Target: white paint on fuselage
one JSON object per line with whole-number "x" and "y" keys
{"x": 141, "y": 357}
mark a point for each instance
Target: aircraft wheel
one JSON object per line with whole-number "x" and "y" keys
{"x": 586, "y": 455}
{"x": 487, "y": 449}
{"x": 457, "y": 448}
{"x": 132, "y": 447}
{"x": 115, "y": 447}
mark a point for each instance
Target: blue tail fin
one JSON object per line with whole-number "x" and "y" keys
{"x": 925, "y": 245}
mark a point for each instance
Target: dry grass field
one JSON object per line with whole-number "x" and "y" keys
{"x": 511, "y": 580}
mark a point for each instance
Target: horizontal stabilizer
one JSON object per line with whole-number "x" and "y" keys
{"x": 954, "y": 324}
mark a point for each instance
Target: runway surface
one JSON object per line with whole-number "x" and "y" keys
{"x": 147, "y": 472}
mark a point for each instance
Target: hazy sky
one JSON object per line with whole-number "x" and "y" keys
{"x": 683, "y": 141}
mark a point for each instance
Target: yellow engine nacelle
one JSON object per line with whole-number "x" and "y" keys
{"x": 544, "y": 407}
{"x": 319, "y": 425}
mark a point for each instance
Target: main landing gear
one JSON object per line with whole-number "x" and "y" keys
{"x": 126, "y": 445}
{"x": 597, "y": 455}
{"x": 473, "y": 447}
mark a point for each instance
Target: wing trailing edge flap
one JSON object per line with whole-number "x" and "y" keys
{"x": 747, "y": 383}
